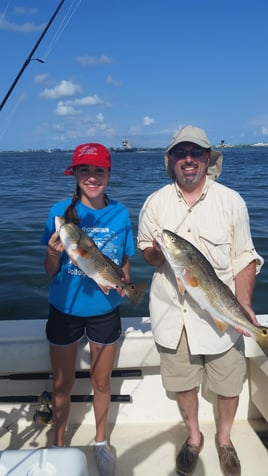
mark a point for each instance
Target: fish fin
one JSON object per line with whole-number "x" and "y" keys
{"x": 135, "y": 291}
{"x": 72, "y": 260}
{"x": 191, "y": 280}
{"x": 220, "y": 324}
{"x": 104, "y": 289}
{"x": 181, "y": 286}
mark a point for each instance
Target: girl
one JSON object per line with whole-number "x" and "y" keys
{"x": 78, "y": 307}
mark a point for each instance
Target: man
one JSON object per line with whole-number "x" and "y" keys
{"x": 214, "y": 218}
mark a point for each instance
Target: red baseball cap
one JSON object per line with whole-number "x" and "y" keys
{"x": 90, "y": 154}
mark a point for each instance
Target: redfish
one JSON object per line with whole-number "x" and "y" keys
{"x": 85, "y": 254}
{"x": 195, "y": 274}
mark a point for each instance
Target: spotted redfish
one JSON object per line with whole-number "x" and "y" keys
{"x": 196, "y": 275}
{"x": 85, "y": 254}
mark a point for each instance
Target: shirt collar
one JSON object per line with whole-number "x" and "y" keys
{"x": 203, "y": 193}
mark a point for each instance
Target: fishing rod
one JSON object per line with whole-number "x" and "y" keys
{"x": 27, "y": 61}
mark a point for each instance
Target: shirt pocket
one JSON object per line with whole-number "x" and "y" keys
{"x": 217, "y": 249}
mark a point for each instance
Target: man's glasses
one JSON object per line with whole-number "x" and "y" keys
{"x": 182, "y": 153}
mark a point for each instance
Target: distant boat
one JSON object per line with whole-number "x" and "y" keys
{"x": 260, "y": 144}
{"x": 126, "y": 147}
{"x": 223, "y": 144}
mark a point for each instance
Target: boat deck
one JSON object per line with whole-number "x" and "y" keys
{"x": 143, "y": 450}
{"x": 145, "y": 427}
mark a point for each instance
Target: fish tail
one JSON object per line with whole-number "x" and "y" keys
{"x": 262, "y": 340}
{"x": 135, "y": 292}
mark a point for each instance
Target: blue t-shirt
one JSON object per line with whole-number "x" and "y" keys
{"x": 71, "y": 291}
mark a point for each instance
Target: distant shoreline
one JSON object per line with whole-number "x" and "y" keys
{"x": 145, "y": 149}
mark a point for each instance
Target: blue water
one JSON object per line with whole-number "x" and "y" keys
{"x": 32, "y": 181}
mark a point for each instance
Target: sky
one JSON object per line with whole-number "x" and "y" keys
{"x": 134, "y": 69}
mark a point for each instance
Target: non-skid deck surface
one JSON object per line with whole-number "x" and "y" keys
{"x": 149, "y": 449}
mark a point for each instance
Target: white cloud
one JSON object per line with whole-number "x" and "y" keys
{"x": 92, "y": 61}
{"x": 68, "y": 108}
{"x": 24, "y": 28}
{"x": 96, "y": 129}
{"x": 134, "y": 130}
{"x": 25, "y": 11}
{"x": 63, "y": 109}
{"x": 86, "y": 101}
{"x": 64, "y": 88}
{"x": 112, "y": 81}
{"x": 58, "y": 127}
{"x": 40, "y": 78}
{"x": 264, "y": 131}
{"x": 147, "y": 121}
{"x": 260, "y": 125}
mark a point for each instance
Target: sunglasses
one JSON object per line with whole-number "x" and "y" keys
{"x": 194, "y": 153}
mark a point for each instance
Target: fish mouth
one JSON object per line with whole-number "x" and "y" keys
{"x": 59, "y": 222}
{"x": 160, "y": 237}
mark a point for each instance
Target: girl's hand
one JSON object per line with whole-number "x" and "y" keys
{"x": 55, "y": 246}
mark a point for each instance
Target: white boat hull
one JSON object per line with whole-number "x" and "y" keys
{"x": 145, "y": 426}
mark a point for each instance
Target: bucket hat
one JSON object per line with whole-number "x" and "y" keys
{"x": 199, "y": 137}
{"x": 90, "y": 154}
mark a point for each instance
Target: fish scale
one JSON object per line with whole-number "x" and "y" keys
{"x": 195, "y": 274}
{"x": 85, "y": 254}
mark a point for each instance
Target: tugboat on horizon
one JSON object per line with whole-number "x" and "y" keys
{"x": 126, "y": 147}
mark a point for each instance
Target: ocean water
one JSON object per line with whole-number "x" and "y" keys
{"x": 31, "y": 182}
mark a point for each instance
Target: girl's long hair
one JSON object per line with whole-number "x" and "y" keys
{"x": 70, "y": 213}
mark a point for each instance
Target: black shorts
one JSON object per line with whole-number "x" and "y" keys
{"x": 65, "y": 329}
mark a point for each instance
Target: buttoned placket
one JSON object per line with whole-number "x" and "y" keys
{"x": 189, "y": 208}
{"x": 198, "y": 202}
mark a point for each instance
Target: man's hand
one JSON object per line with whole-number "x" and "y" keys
{"x": 253, "y": 319}
{"x": 153, "y": 255}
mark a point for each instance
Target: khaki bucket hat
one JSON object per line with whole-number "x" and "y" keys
{"x": 199, "y": 137}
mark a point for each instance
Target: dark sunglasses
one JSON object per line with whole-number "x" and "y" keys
{"x": 194, "y": 153}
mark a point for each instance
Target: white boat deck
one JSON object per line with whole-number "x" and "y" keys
{"x": 146, "y": 429}
{"x": 143, "y": 450}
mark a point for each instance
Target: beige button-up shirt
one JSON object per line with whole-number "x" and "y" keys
{"x": 218, "y": 225}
